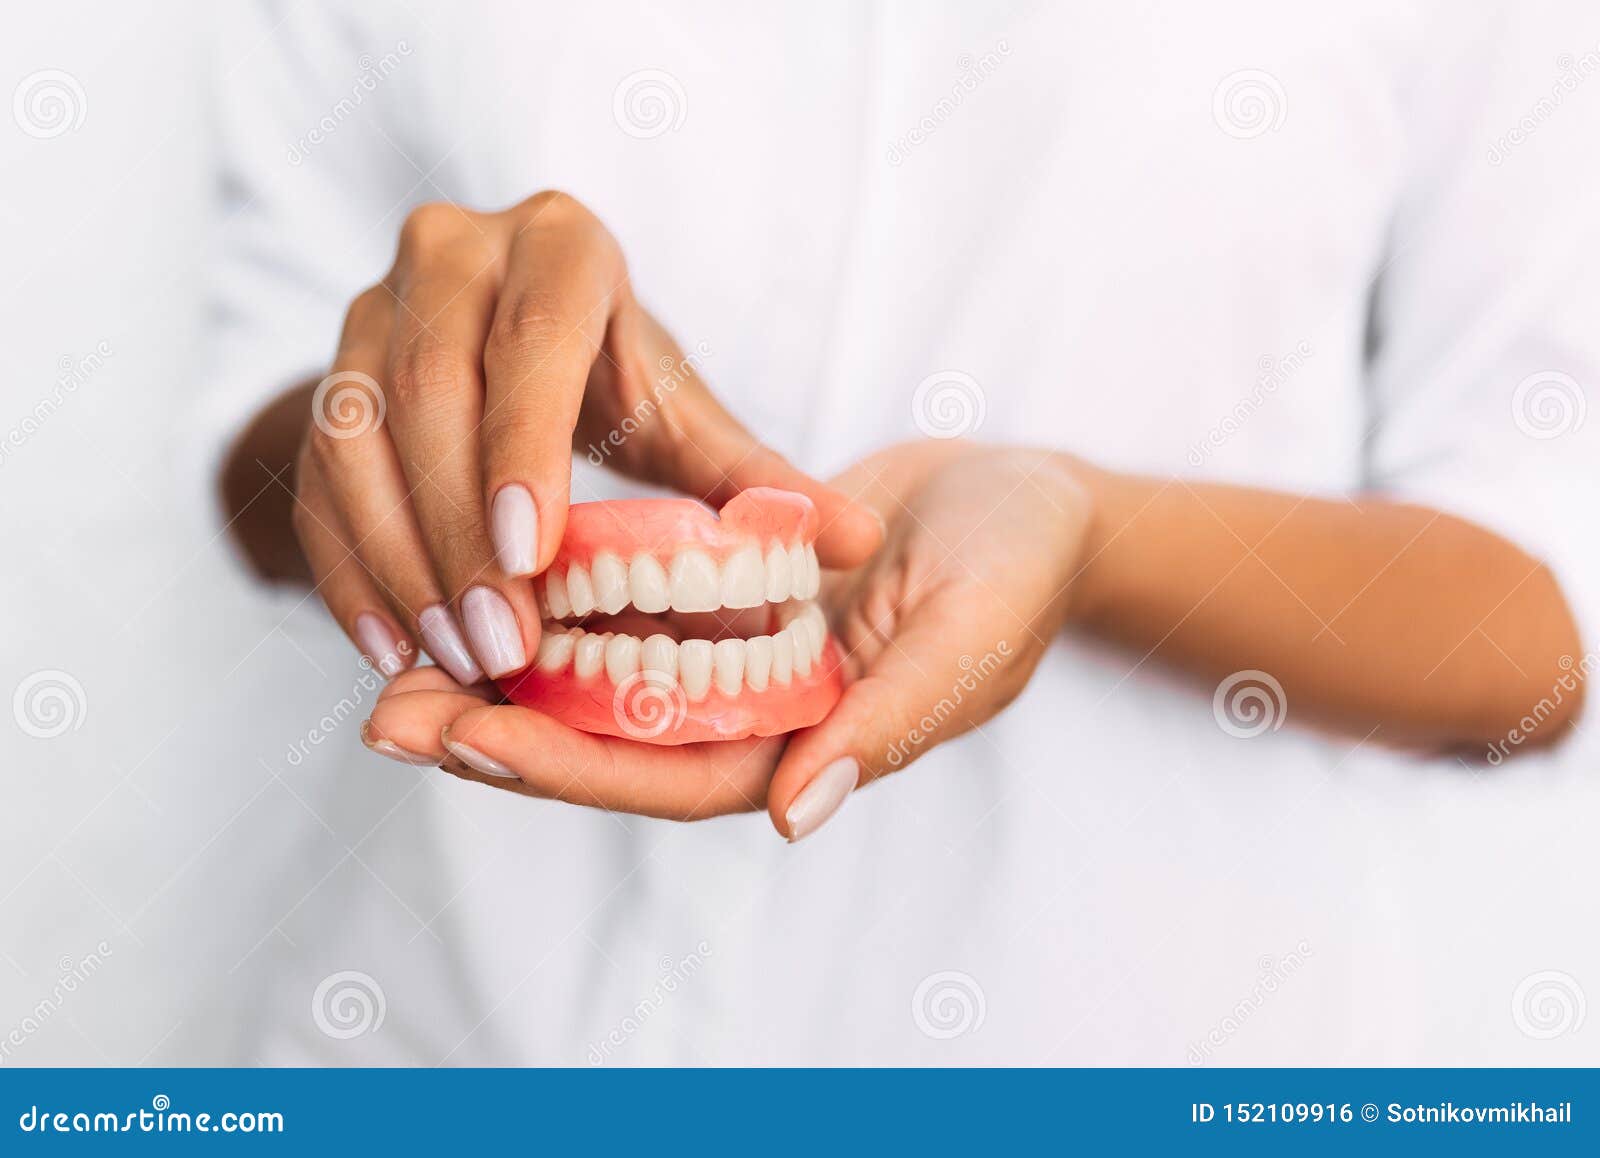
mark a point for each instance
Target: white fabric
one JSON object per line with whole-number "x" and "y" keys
{"x": 1115, "y": 251}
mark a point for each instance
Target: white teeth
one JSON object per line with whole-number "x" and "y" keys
{"x": 782, "y": 658}
{"x": 694, "y": 582}
{"x": 610, "y": 583}
{"x": 758, "y": 662}
{"x": 816, "y": 628}
{"x": 555, "y": 594}
{"x": 727, "y": 660}
{"x": 744, "y": 579}
{"x": 694, "y": 668}
{"x": 555, "y": 651}
{"x": 589, "y": 655}
{"x": 797, "y": 571}
{"x": 802, "y": 648}
{"x": 660, "y": 654}
{"x": 647, "y": 583}
{"x": 813, "y": 574}
{"x": 778, "y": 582}
{"x": 579, "y": 590}
{"x": 622, "y": 657}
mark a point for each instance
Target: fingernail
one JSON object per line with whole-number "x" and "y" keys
{"x": 477, "y": 761}
{"x": 492, "y": 628}
{"x": 382, "y": 645}
{"x": 392, "y": 750}
{"x": 514, "y": 527}
{"x": 877, "y": 517}
{"x": 442, "y": 638}
{"x": 820, "y": 799}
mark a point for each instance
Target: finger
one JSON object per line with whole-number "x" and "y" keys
{"x": 677, "y": 783}
{"x": 338, "y": 577}
{"x": 349, "y": 440}
{"x": 413, "y": 721}
{"x": 564, "y": 277}
{"x": 427, "y": 678}
{"x": 445, "y": 285}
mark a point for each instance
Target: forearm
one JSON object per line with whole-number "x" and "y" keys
{"x": 1377, "y": 615}
{"x": 257, "y": 486}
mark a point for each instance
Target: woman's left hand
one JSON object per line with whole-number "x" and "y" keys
{"x": 940, "y": 631}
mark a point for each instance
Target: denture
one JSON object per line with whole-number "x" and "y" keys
{"x": 670, "y": 623}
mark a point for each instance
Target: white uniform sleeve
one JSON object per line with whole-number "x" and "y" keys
{"x": 314, "y": 177}
{"x": 1487, "y": 313}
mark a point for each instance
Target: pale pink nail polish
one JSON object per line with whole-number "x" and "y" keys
{"x": 492, "y": 629}
{"x": 477, "y": 761}
{"x": 394, "y": 751}
{"x": 514, "y": 527}
{"x": 442, "y": 638}
{"x": 382, "y": 645}
{"x": 820, "y": 799}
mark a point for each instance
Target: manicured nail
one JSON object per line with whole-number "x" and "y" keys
{"x": 514, "y": 527}
{"x": 382, "y": 645}
{"x": 821, "y": 798}
{"x": 492, "y": 628}
{"x": 442, "y": 638}
{"x": 477, "y": 761}
{"x": 392, "y": 750}
{"x": 877, "y": 517}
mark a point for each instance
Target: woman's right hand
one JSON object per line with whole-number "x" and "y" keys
{"x": 434, "y": 477}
